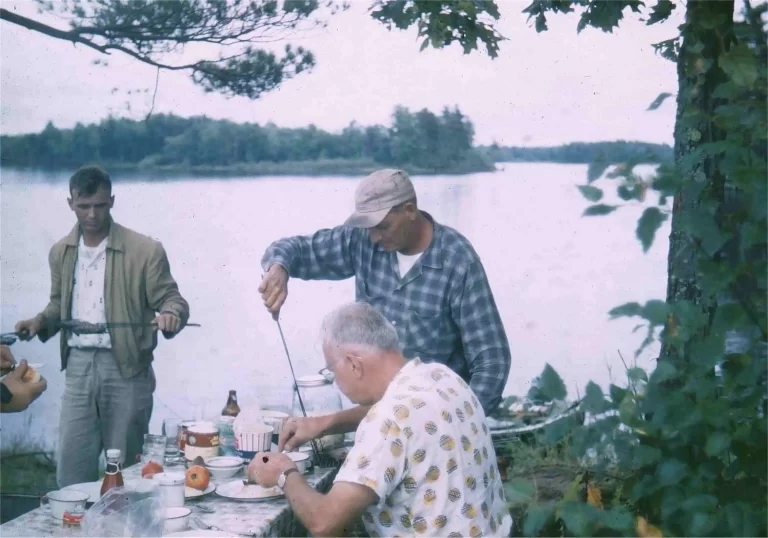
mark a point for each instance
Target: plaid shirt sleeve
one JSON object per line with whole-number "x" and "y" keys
{"x": 483, "y": 337}
{"x": 325, "y": 255}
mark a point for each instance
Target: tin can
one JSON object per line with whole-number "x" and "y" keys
{"x": 202, "y": 440}
{"x": 181, "y": 433}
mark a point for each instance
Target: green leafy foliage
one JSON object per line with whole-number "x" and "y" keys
{"x": 433, "y": 142}
{"x": 613, "y": 152}
{"x": 547, "y": 387}
{"x": 689, "y": 436}
{"x": 443, "y": 22}
{"x": 593, "y": 194}
{"x": 659, "y": 100}
{"x": 599, "y": 210}
{"x": 648, "y": 225}
{"x": 740, "y": 64}
{"x": 661, "y": 11}
{"x": 147, "y": 31}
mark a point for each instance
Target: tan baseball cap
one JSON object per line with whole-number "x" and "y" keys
{"x": 377, "y": 194}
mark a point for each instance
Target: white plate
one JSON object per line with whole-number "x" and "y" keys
{"x": 234, "y": 490}
{"x": 193, "y": 533}
{"x": 188, "y": 492}
{"x": 93, "y": 489}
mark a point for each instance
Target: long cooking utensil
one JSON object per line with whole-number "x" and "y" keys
{"x": 84, "y": 327}
{"x": 315, "y": 450}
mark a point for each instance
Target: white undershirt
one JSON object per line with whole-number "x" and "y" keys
{"x": 405, "y": 262}
{"x": 88, "y": 294}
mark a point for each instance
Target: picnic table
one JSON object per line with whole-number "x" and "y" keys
{"x": 263, "y": 518}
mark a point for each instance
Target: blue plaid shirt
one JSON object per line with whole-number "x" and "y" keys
{"x": 443, "y": 309}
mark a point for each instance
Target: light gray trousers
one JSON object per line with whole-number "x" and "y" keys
{"x": 100, "y": 410}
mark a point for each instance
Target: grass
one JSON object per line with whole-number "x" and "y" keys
{"x": 537, "y": 473}
{"x": 27, "y": 474}
{"x": 26, "y": 468}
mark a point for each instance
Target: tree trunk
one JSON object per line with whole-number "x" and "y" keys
{"x": 708, "y": 31}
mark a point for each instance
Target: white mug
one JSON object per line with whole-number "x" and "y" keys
{"x": 64, "y": 500}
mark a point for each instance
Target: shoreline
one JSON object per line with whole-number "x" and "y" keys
{"x": 318, "y": 168}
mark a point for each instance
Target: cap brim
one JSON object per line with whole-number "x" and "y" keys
{"x": 367, "y": 220}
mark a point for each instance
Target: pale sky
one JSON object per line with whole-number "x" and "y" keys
{"x": 543, "y": 89}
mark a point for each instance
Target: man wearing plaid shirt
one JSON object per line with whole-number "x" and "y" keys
{"x": 424, "y": 277}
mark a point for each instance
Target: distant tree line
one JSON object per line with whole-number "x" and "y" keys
{"x": 584, "y": 153}
{"x": 420, "y": 139}
{"x": 421, "y": 142}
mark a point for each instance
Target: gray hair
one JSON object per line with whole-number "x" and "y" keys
{"x": 360, "y": 324}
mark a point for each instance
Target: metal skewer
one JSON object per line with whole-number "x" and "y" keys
{"x": 315, "y": 450}
{"x": 82, "y": 327}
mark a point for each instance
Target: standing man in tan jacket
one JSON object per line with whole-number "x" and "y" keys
{"x": 104, "y": 273}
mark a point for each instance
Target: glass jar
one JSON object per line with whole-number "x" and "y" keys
{"x": 227, "y": 435}
{"x": 320, "y": 397}
{"x": 153, "y": 449}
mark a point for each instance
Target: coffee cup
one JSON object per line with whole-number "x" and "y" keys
{"x": 64, "y": 500}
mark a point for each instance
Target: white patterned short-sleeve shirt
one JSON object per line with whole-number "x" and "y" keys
{"x": 88, "y": 303}
{"x": 426, "y": 451}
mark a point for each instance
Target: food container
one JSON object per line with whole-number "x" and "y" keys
{"x": 176, "y": 519}
{"x": 182, "y": 433}
{"x": 202, "y": 440}
{"x": 251, "y": 436}
{"x": 320, "y": 398}
{"x": 172, "y": 488}
{"x": 65, "y": 500}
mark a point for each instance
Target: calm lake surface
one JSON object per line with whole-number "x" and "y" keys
{"x": 554, "y": 274}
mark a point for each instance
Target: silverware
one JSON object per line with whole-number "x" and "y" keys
{"x": 207, "y": 527}
{"x": 315, "y": 449}
{"x": 84, "y": 327}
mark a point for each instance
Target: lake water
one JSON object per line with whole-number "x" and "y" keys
{"x": 554, "y": 274}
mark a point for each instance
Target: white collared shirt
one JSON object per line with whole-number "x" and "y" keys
{"x": 88, "y": 302}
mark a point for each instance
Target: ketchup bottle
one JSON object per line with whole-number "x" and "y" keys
{"x": 114, "y": 475}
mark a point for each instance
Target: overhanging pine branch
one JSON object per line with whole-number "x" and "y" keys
{"x": 72, "y": 37}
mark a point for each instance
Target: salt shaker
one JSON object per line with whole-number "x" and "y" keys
{"x": 172, "y": 488}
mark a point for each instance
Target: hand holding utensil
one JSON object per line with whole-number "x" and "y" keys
{"x": 274, "y": 289}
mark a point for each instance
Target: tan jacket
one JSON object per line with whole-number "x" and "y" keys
{"x": 138, "y": 284}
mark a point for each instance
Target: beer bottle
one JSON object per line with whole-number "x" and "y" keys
{"x": 231, "y": 409}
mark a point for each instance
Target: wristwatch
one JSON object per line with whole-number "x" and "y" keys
{"x": 283, "y": 476}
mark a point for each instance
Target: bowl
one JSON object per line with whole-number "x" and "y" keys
{"x": 224, "y": 462}
{"x": 276, "y": 419}
{"x": 223, "y": 467}
{"x": 176, "y": 519}
{"x": 65, "y": 500}
{"x": 301, "y": 459}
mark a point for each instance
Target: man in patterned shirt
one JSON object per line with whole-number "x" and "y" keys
{"x": 423, "y": 463}
{"x": 424, "y": 277}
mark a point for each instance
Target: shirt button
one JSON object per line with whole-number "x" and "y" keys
{"x": 394, "y": 322}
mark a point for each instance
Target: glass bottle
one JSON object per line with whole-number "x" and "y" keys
{"x": 114, "y": 475}
{"x": 320, "y": 398}
{"x": 231, "y": 409}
